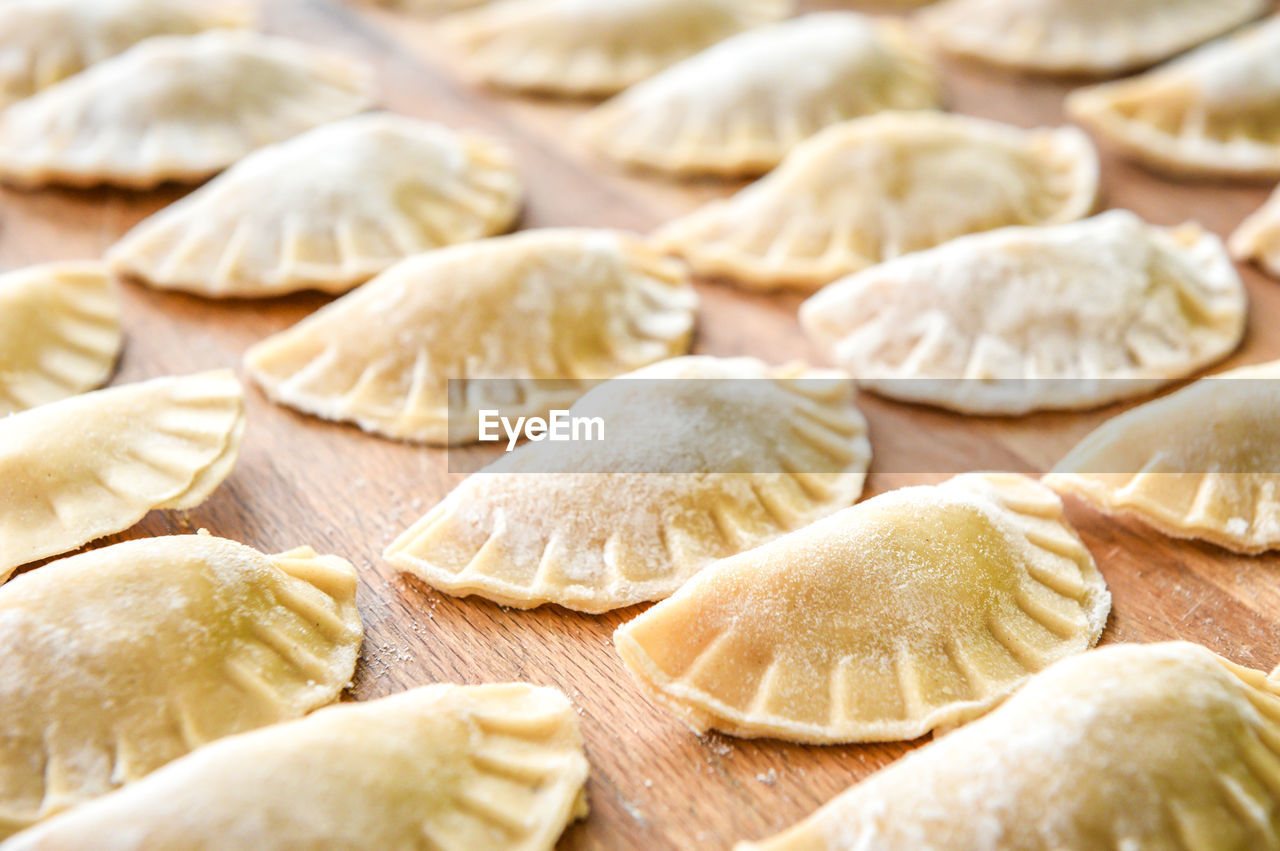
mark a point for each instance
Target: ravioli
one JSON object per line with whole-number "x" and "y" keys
{"x": 1083, "y": 756}
{"x": 1258, "y": 237}
{"x": 587, "y": 48}
{"x": 59, "y": 333}
{"x": 493, "y": 766}
{"x": 738, "y": 107}
{"x": 918, "y": 609}
{"x": 1214, "y": 112}
{"x": 498, "y": 315}
{"x": 1201, "y": 463}
{"x": 327, "y": 210}
{"x": 1027, "y": 319}
{"x": 874, "y": 188}
{"x": 85, "y": 467}
{"x": 43, "y": 42}
{"x": 176, "y": 108}
{"x": 599, "y": 526}
{"x": 119, "y": 660}
{"x": 1099, "y": 37}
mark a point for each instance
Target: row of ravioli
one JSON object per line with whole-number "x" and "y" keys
{"x": 914, "y": 611}
{"x": 1033, "y": 592}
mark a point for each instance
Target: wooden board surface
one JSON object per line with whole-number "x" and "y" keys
{"x": 653, "y": 784}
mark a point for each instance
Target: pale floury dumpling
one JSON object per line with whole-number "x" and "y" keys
{"x": 497, "y": 767}
{"x": 1200, "y": 463}
{"x": 82, "y": 468}
{"x": 585, "y": 47}
{"x": 918, "y": 609}
{"x": 59, "y": 333}
{"x": 1163, "y": 746}
{"x": 697, "y": 458}
{"x": 327, "y": 210}
{"x": 874, "y": 188}
{"x": 1101, "y": 37}
{"x": 498, "y": 315}
{"x": 176, "y": 108}
{"x": 1258, "y": 237}
{"x": 1213, "y": 112}
{"x": 45, "y": 41}
{"x": 738, "y": 107}
{"x": 119, "y": 660}
{"x": 1026, "y": 319}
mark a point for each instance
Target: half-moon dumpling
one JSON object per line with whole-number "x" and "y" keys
{"x": 1101, "y": 37}
{"x": 45, "y": 41}
{"x": 737, "y": 108}
{"x": 116, "y": 661}
{"x": 918, "y": 609}
{"x": 1258, "y": 237}
{"x": 59, "y": 333}
{"x": 1200, "y": 463}
{"x": 500, "y": 314}
{"x": 585, "y": 47}
{"x": 176, "y": 108}
{"x": 75, "y": 470}
{"x": 873, "y": 188}
{"x": 1127, "y": 747}
{"x": 498, "y": 767}
{"x": 1026, "y": 319}
{"x": 326, "y": 210}
{"x": 700, "y": 458}
{"x": 1213, "y": 112}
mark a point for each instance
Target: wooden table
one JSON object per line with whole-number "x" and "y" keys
{"x": 653, "y": 784}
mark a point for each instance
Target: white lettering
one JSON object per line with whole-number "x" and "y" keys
{"x": 488, "y": 425}
{"x": 559, "y": 426}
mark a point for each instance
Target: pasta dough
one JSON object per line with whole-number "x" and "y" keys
{"x": 327, "y": 210}
{"x": 498, "y": 767}
{"x": 1258, "y": 237}
{"x": 1131, "y": 746}
{"x": 920, "y": 608}
{"x": 1200, "y": 463}
{"x": 59, "y": 333}
{"x": 871, "y": 189}
{"x": 573, "y": 304}
{"x": 596, "y": 527}
{"x": 585, "y": 47}
{"x": 92, "y": 465}
{"x": 1214, "y": 112}
{"x": 1026, "y": 319}
{"x": 738, "y": 107}
{"x": 176, "y": 108}
{"x": 116, "y": 661}
{"x": 1103, "y": 37}
{"x": 45, "y": 41}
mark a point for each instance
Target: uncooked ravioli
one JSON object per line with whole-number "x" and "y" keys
{"x": 740, "y": 106}
{"x": 1026, "y": 319}
{"x": 59, "y": 333}
{"x": 1124, "y": 747}
{"x": 585, "y": 47}
{"x": 874, "y": 188}
{"x": 327, "y": 210}
{"x": 497, "y": 767}
{"x": 176, "y": 108}
{"x": 702, "y": 457}
{"x": 81, "y": 468}
{"x": 1201, "y": 463}
{"x": 540, "y": 316}
{"x": 1214, "y": 112}
{"x": 119, "y": 660}
{"x": 918, "y": 609}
